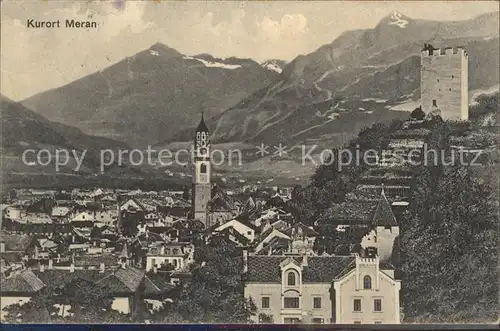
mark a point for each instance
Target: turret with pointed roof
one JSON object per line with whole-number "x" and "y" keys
{"x": 383, "y": 215}
{"x": 202, "y": 127}
{"x": 386, "y": 228}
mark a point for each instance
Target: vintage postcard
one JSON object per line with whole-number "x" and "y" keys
{"x": 254, "y": 162}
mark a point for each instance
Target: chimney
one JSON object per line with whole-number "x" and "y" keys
{"x": 42, "y": 267}
{"x": 51, "y": 264}
{"x": 102, "y": 267}
{"x": 245, "y": 260}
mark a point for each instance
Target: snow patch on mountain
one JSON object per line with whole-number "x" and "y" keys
{"x": 398, "y": 19}
{"x": 155, "y": 53}
{"x": 273, "y": 66}
{"x": 214, "y": 64}
{"x": 407, "y": 105}
{"x": 376, "y": 100}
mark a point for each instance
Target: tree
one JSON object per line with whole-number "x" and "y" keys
{"x": 449, "y": 249}
{"x": 266, "y": 318}
{"x": 129, "y": 222}
{"x": 418, "y": 114}
{"x": 80, "y": 301}
{"x": 215, "y": 292}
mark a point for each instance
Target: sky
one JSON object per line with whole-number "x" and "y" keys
{"x": 35, "y": 60}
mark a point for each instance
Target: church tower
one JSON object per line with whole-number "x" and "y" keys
{"x": 202, "y": 187}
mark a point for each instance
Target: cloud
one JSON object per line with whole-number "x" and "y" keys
{"x": 289, "y": 26}
{"x": 59, "y": 56}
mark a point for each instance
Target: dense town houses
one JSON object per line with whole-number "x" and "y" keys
{"x": 142, "y": 245}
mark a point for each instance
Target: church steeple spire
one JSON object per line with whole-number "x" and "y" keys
{"x": 202, "y": 127}
{"x": 202, "y": 172}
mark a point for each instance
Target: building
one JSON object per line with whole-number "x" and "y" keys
{"x": 321, "y": 289}
{"x": 125, "y": 284}
{"x": 444, "y": 82}
{"x": 202, "y": 187}
{"x": 177, "y": 255}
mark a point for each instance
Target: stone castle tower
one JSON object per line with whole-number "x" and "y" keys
{"x": 444, "y": 82}
{"x": 202, "y": 187}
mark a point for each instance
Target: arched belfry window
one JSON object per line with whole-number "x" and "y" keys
{"x": 291, "y": 279}
{"x": 203, "y": 168}
{"x": 367, "y": 282}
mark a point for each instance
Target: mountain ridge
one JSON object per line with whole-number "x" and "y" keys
{"x": 245, "y": 101}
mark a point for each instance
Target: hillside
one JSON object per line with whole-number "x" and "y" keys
{"x": 363, "y": 76}
{"x": 366, "y": 74}
{"x": 23, "y": 129}
{"x": 152, "y": 95}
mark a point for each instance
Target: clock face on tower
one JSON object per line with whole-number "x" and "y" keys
{"x": 203, "y": 151}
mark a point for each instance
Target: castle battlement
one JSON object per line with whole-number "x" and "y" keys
{"x": 445, "y": 51}
{"x": 444, "y": 81}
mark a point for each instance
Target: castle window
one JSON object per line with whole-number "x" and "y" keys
{"x": 357, "y": 305}
{"x": 203, "y": 168}
{"x": 292, "y": 303}
{"x": 317, "y": 302}
{"x": 434, "y": 103}
{"x": 291, "y": 279}
{"x": 367, "y": 282}
{"x": 377, "y": 305}
{"x": 265, "y": 302}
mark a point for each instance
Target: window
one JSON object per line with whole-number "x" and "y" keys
{"x": 378, "y": 322}
{"x": 357, "y": 305}
{"x": 434, "y": 103}
{"x": 203, "y": 168}
{"x": 367, "y": 282}
{"x": 317, "y": 302}
{"x": 149, "y": 305}
{"x": 452, "y": 76}
{"x": 317, "y": 320}
{"x": 291, "y": 303}
{"x": 153, "y": 262}
{"x": 265, "y": 302}
{"x": 377, "y": 305}
{"x": 357, "y": 322}
{"x": 437, "y": 80}
{"x": 291, "y": 320}
{"x": 291, "y": 281}
{"x": 450, "y": 88}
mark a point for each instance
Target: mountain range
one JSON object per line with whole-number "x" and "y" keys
{"x": 361, "y": 77}
{"x": 23, "y": 129}
{"x": 150, "y": 96}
